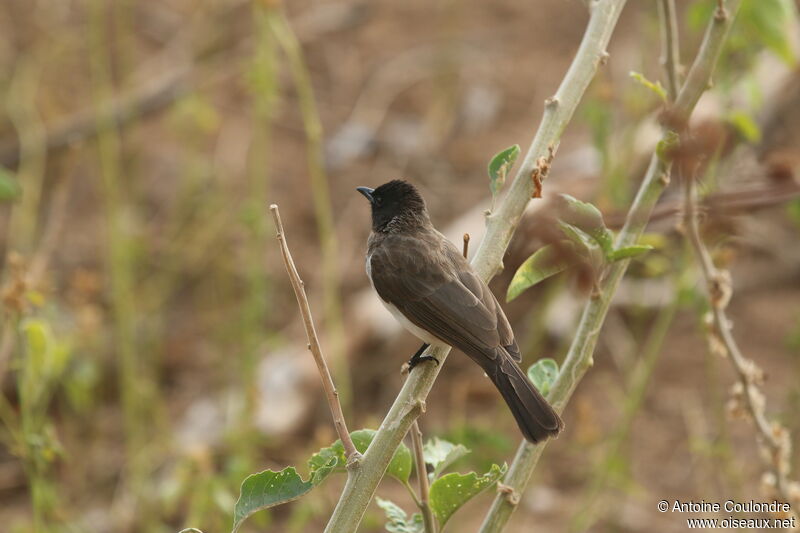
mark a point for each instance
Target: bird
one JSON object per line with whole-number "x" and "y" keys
{"x": 432, "y": 290}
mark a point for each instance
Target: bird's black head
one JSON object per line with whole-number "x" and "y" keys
{"x": 396, "y": 206}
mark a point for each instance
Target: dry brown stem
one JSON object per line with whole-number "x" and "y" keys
{"x": 313, "y": 343}
{"x": 747, "y": 396}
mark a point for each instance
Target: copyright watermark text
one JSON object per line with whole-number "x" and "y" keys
{"x": 731, "y": 506}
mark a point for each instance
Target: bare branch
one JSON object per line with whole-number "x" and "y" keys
{"x": 313, "y": 342}
{"x": 747, "y": 395}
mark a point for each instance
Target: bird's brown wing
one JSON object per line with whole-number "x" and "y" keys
{"x": 434, "y": 287}
{"x": 445, "y": 298}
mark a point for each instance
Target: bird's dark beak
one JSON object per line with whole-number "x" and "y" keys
{"x": 367, "y": 192}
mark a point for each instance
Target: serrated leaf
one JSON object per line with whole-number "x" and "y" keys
{"x": 10, "y": 189}
{"x": 440, "y": 454}
{"x": 588, "y": 219}
{"x": 269, "y": 488}
{"x": 656, "y": 87}
{"x": 542, "y": 374}
{"x": 499, "y": 167}
{"x": 399, "y": 522}
{"x": 451, "y": 491}
{"x": 545, "y": 262}
{"x": 629, "y": 251}
{"x": 745, "y": 126}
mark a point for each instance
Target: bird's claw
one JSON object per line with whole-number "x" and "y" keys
{"x": 417, "y": 359}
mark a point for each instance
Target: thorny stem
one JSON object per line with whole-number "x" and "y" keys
{"x": 579, "y": 356}
{"x": 360, "y": 487}
{"x": 774, "y": 436}
{"x": 313, "y": 343}
{"x": 422, "y": 479}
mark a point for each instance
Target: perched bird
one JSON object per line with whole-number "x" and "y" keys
{"x": 425, "y": 282}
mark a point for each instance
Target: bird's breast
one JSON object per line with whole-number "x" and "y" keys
{"x": 418, "y": 332}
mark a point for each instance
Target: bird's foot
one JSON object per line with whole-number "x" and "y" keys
{"x": 417, "y": 359}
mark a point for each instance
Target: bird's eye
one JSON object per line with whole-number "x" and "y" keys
{"x": 377, "y": 201}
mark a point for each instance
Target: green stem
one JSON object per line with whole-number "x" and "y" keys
{"x": 671, "y": 56}
{"x": 118, "y": 246}
{"x": 640, "y": 378}
{"x": 422, "y": 478}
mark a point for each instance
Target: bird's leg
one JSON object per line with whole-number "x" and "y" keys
{"x": 417, "y": 358}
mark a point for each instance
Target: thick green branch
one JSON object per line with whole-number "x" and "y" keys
{"x": 579, "y": 357}
{"x": 361, "y": 484}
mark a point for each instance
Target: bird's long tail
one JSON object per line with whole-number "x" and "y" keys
{"x": 536, "y": 418}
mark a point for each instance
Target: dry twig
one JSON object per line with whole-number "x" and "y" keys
{"x": 748, "y": 398}
{"x": 313, "y": 343}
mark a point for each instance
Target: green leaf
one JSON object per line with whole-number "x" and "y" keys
{"x": 451, "y": 491}
{"x": 440, "y": 454}
{"x": 10, "y": 189}
{"x": 499, "y": 167}
{"x": 587, "y": 218}
{"x": 46, "y": 359}
{"x": 542, "y": 374}
{"x": 629, "y": 251}
{"x": 399, "y": 467}
{"x": 545, "y": 262}
{"x": 578, "y": 237}
{"x": 655, "y": 87}
{"x": 398, "y": 519}
{"x": 269, "y": 488}
{"x": 767, "y": 23}
{"x": 744, "y": 124}
{"x": 592, "y": 250}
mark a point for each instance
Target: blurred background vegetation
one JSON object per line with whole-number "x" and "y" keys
{"x": 152, "y": 354}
